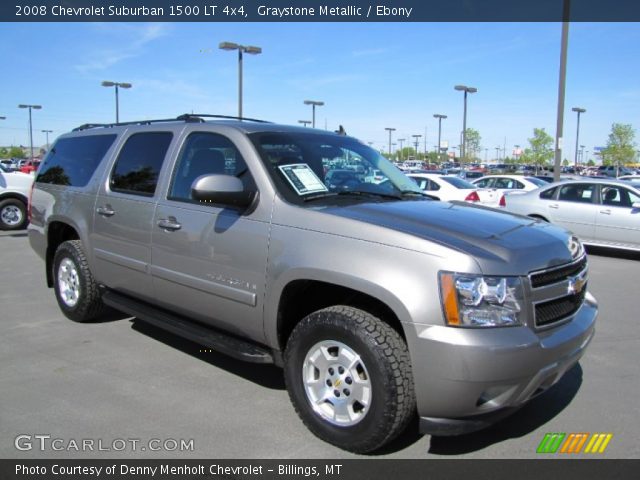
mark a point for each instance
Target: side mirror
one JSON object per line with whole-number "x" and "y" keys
{"x": 222, "y": 189}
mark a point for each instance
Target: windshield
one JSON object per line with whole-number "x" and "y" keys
{"x": 537, "y": 181}
{"x": 306, "y": 166}
{"x": 459, "y": 182}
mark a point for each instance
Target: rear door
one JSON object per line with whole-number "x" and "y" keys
{"x": 618, "y": 223}
{"x": 121, "y": 238}
{"x": 575, "y": 209}
{"x": 209, "y": 260}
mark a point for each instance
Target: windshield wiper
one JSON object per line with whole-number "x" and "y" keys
{"x": 355, "y": 193}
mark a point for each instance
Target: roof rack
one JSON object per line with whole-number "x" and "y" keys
{"x": 200, "y": 116}
{"x": 186, "y": 117}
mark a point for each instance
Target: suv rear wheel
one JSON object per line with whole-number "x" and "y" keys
{"x": 349, "y": 378}
{"x": 13, "y": 214}
{"x": 76, "y": 290}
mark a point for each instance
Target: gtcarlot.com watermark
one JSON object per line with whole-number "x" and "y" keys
{"x": 49, "y": 443}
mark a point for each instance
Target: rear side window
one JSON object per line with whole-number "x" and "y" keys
{"x": 548, "y": 194}
{"x": 72, "y": 161}
{"x": 138, "y": 166}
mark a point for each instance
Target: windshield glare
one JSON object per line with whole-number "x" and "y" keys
{"x": 307, "y": 165}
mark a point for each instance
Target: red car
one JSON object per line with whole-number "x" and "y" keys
{"x": 30, "y": 166}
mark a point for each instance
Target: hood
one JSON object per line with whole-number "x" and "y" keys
{"x": 502, "y": 243}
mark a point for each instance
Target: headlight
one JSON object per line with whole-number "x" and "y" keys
{"x": 478, "y": 301}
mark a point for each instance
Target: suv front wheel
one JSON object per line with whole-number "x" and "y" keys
{"x": 349, "y": 378}
{"x": 76, "y": 290}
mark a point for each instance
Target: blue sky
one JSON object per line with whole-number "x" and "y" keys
{"x": 370, "y": 76}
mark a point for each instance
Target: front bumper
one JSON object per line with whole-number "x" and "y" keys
{"x": 467, "y": 379}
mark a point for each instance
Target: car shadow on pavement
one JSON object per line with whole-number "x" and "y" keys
{"x": 532, "y": 416}
{"x": 268, "y": 376}
{"x": 613, "y": 253}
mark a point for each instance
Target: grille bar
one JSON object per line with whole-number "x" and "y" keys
{"x": 555, "y": 310}
{"x": 556, "y": 275}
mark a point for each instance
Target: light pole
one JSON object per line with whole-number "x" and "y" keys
{"x": 30, "y": 107}
{"x": 314, "y": 104}
{"x": 401, "y": 141}
{"x": 304, "y": 122}
{"x": 581, "y": 154}
{"x": 251, "y": 50}
{"x": 578, "y": 110}
{"x": 417, "y": 141}
{"x": 466, "y": 90}
{"x": 390, "y": 129}
{"x": 497, "y": 154}
{"x": 117, "y": 85}
{"x": 440, "y": 117}
{"x": 517, "y": 154}
{"x": 47, "y": 132}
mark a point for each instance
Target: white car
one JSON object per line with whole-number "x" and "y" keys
{"x": 14, "y": 195}
{"x": 447, "y": 187}
{"x": 499, "y": 185}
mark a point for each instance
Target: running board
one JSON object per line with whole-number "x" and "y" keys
{"x": 186, "y": 328}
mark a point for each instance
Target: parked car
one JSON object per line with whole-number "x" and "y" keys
{"x": 599, "y": 212}
{"x": 614, "y": 171}
{"x": 30, "y": 166}
{"x": 14, "y": 195}
{"x": 446, "y": 187}
{"x": 629, "y": 177}
{"x": 381, "y": 305}
{"x": 496, "y": 186}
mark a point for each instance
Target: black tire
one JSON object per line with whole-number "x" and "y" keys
{"x": 88, "y": 303}
{"x": 385, "y": 358}
{"x": 13, "y": 214}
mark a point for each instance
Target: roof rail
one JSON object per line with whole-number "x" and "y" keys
{"x": 187, "y": 117}
{"x": 87, "y": 126}
{"x": 199, "y": 117}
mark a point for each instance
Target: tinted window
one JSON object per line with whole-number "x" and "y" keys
{"x": 577, "y": 192}
{"x": 536, "y": 181}
{"x": 618, "y": 197}
{"x": 138, "y": 165}
{"x": 206, "y": 153}
{"x": 483, "y": 183}
{"x": 72, "y": 161}
{"x": 548, "y": 194}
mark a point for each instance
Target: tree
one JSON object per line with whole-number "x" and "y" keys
{"x": 541, "y": 147}
{"x": 620, "y": 146}
{"x": 473, "y": 143}
{"x": 16, "y": 152}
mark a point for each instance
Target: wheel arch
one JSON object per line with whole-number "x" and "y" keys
{"x": 318, "y": 294}
{"x": 57, "y": 233}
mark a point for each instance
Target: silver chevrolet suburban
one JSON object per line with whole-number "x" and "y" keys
{"x": 378, "y": 302}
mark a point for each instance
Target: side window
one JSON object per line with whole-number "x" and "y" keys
{"x": 483, "y": 183}
{"x": 618, "y": 197}
{"x": 433, "y": 186}
{"x": 548, "y": 194}
{"x": 576, "y": 192}
{"x": 518, "y": 185}
{"x": 73, "y": 161}
{"x": 139, "y": 162}
{"x": 206, "y": 153}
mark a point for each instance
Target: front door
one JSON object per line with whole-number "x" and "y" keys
{"x": 209, "y": 260}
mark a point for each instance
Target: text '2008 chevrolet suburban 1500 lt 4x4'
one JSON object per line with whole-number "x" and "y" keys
{"x": 377, "y": 301}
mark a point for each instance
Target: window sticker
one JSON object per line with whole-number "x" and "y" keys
{"x": 302, "y": 178}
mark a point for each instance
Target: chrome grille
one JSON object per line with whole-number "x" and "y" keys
{"x": 558, "y": 292}
{"x": 559, "y": 274}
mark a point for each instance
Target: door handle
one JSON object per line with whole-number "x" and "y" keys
{"x": 106, "y": 211}
{"x": 169, "y": 224}
{"x": 554, "y": 205}
{"x": 606, "y": 212}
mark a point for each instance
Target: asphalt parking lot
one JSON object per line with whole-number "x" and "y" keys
{"x": 120, "y": 379}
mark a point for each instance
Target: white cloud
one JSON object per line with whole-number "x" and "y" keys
{"x": 130, "y": 42}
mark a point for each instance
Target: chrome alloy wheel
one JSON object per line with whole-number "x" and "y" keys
{"x": 11, "y": 215}
{"x": 337, "y": 383}
{"x": 68, "y": 282}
